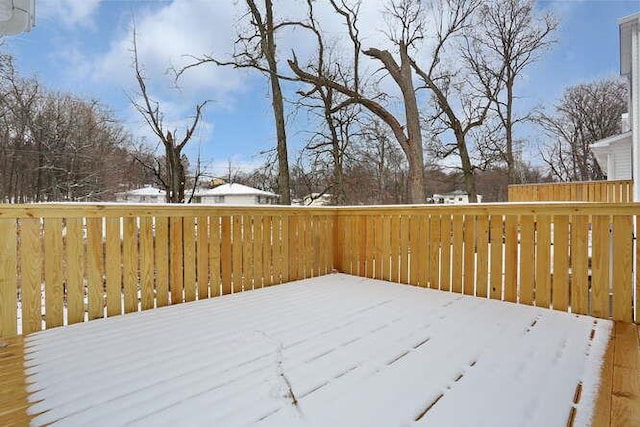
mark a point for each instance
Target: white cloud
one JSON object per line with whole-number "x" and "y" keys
{"x": 170, "y": 35}
{"x": 69, "y": 12}
{"x": 166, "y": 36}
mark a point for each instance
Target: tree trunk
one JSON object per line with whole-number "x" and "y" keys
{"x": 467, "y": 168}
{"x": 283, "y": 161}
{"x": 269, "y": 50}
{"x": 511, "y": 166}
{"x": 414, "y": 132}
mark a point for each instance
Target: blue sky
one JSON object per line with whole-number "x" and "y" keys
{"x": 83, "y": 46}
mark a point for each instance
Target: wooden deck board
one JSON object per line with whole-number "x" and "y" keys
{"x": 13, "y": 383}
{"x": 602, "y": 410}
{"x": 618, "y": 403}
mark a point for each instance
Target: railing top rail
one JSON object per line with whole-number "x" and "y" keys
{"x": 542, "y": 184}
{"x": 77, "y": 210}
{"x": 71, "y": 210}
{"x": 529, "y": 208}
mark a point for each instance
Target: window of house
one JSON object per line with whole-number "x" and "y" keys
{"x": 218, "y": 199}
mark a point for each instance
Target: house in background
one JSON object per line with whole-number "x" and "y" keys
{"x": 456, "y": 197}
{"x": 317, "y": 199}
{"x": 147, "y": 194}
{"x": 619, "y": 155}
{"x": 235, "y": 194}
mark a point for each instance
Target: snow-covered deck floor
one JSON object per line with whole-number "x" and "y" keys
{"x": 334, "y": 350}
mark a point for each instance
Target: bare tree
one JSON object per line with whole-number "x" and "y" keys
{"x": 377, "y": 170}
{"x": 257, "y": 50}
{"x": 585, "y": 114}
{"x": 173, "y": 176}
{"x": 516, "y": 35}
{"x": 462, "y": 90}
{"x": 57, "y": 146}
{"x": 338, "y": 121}
{"x": 405, "y": 128}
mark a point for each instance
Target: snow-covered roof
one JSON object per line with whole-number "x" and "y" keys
{"x": 612, "y": 140}
{"x": 456, "y": 193}
{"x": 235, "y": 190}
{"x": 145, "y": 191}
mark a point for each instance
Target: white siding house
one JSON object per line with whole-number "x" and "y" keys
{"x": 456, "y": 197}
{"x": 614, "y": 156}
{"x": 619, "y": 155}
{"x": 235, "y": 194}
{"x": 146, "y": 194}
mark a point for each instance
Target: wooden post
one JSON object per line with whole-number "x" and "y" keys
{"x": 95, "y": 268}
{"x": 176, "y": 260}
{"x": 527, "y": 259}
{"x": 113, "y": 263}
{"x": 189, "y": 262}
{"x": 579, "y": 291}
{"x": 482, "y": 232}
{"x": 162, "y": 261}
{"x": 600, "y": 267}
{"x": 225, "y": 255}
{"x": 543, "y": 261}
{"x": 31, "y": 265}
{"x": 560, "y": 283}
{"x": 75, "y": 262}
{"x": 622, "y": 291}
{"x": 147, "y": 263}
{"x": 496, "y": 236}
{"x": 53, "y": 276}
{"x": 8, "y": 278}
{"x": 202, "y": 257}
{"x": 130, "y": 259}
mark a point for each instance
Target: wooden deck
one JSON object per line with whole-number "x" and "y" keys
{"x": 13, "y": 384}
{"x": 618, "y": 403}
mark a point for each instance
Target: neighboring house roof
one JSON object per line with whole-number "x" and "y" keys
{"x": 609, "y": 141}
{"x": 601, "y": 149}
{"x": 145, "y": 191}
{"x": 234, "y": 190}
{"x": 456, "y": 193}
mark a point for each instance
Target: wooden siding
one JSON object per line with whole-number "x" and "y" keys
{"x": 620, "y": 191}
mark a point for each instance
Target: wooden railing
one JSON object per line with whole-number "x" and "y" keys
{"x": 64, "y": 264}
{"x": 71, "y": 263}
{"x": 586, "y": 191}
{"x": 577, "y": 257}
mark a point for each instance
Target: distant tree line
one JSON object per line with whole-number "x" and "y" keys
{"x": 58, "y": 147}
